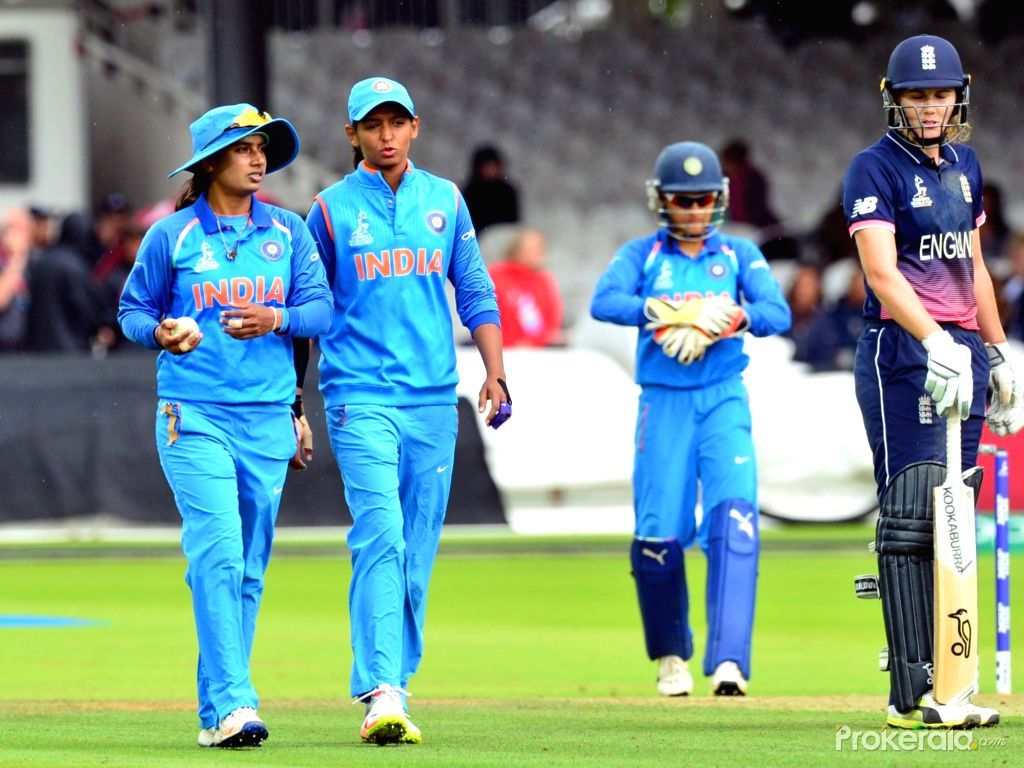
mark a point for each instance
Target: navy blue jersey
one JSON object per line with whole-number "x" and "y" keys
{"x": 654, "y": 266}
{"x": 932, "y": 210}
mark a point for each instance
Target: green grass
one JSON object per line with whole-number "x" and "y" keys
{"x": 534, "y": 656}
{"x": 504, "y": 733}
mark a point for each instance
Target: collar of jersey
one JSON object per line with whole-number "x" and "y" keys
{"x": 713, "y": 244}
{"x": 368, "y": 175}
{"x": 260, "y": 214}
{"x": 946, "y": 152}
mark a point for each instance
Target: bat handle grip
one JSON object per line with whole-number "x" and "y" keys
{"x": 954, "y": 451}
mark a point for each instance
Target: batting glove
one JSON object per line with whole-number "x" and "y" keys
{"x": 949, "y": 379}
{"x": 1005, "y": 413}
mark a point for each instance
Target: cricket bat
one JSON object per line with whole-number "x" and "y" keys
{"x": 956, "y": 579}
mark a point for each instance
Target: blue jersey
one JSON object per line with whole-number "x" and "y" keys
{"x": 654, "y": 266}
{"x": 183, "y": 269}
{"x": 388, "y": 256}
{"x": 932, "y": 210}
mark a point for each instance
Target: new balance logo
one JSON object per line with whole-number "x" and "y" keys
{"x": 743, "y": 522}
{"x": 657, "y": 556}
{"x": 863, "y": 205}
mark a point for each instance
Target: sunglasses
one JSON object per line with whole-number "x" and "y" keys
{"x": 703, "y": 200}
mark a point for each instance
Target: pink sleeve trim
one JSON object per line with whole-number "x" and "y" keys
{"x": 872, "y": 224}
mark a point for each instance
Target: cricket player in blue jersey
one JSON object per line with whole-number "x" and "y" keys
{"x": 694, "y": 292}
{"x": 390, "y": 236}
{"x": 221, "y": 287}
{"x": 932, "y": 345}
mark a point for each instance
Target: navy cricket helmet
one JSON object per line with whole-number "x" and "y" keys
{"x": 926, "y": 61}
{"x": 688, "y": 169}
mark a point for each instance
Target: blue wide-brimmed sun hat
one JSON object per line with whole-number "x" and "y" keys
{"x": 374, "y": 91}
{"x": 223, "y": 126}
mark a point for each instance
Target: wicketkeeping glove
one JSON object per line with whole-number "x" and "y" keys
{"x": 1005, "y": 413}
{"x": 303, "y": 437}
{"x": 949, "y": 380}
{"x": 695, "y": 344}
{"x": 686, "y": 330}
{"x": 718, "y": 316}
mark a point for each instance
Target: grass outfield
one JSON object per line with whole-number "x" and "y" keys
{"x": 534, "y": 657}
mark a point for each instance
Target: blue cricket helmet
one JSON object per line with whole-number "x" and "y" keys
{"x": 926, "y": 61}
{"x": 687, "y": 167}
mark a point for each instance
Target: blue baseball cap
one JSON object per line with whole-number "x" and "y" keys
{"x": 223, "y": 126}
{"x": 374, "y": 91}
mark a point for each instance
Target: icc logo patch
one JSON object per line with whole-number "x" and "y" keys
{"x": 718, "y": 270}
{"x": 437, "y": 221}
{"x": 272, "y": 250}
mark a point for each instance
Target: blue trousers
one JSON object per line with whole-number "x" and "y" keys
{"x": 902, "y": 425}
{"x": 686, "y": 435}
{"x": 690, "y": 438}
{"x": 226, "y": 466}
{"x": 396, "y": 464}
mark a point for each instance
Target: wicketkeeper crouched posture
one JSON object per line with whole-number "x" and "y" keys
{"x": 220, "y": 286}
{"x": 693, "y": 292}
{"x": 932, "y": 344}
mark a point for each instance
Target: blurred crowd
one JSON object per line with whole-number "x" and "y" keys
{"x": 61, "y": 276}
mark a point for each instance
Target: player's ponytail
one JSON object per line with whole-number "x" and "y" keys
{"x": 357, "y": 156}
{"x": 193, "y": 188}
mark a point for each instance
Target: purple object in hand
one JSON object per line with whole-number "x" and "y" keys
{"x": 504, "y": 414}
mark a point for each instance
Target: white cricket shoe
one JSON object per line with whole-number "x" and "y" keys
{"x": 206, "y": 737}
{"x": 928, "y": 713}
{"x": 674, "y": 678}
{"x": 386, "y": 720}
{"x": 241, "y": 728}
{"x": 728, "y": 680}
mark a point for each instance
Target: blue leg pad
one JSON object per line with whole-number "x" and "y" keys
{"x": 664, "y": 604}
{"x": 733, "y": 545}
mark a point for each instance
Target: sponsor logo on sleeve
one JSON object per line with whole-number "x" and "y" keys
{"x": 863, "y": 205}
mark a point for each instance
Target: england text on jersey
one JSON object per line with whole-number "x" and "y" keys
{"x": 945, "y": 245}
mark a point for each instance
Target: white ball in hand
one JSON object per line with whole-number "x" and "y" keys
{"x": 184, "y": 326}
